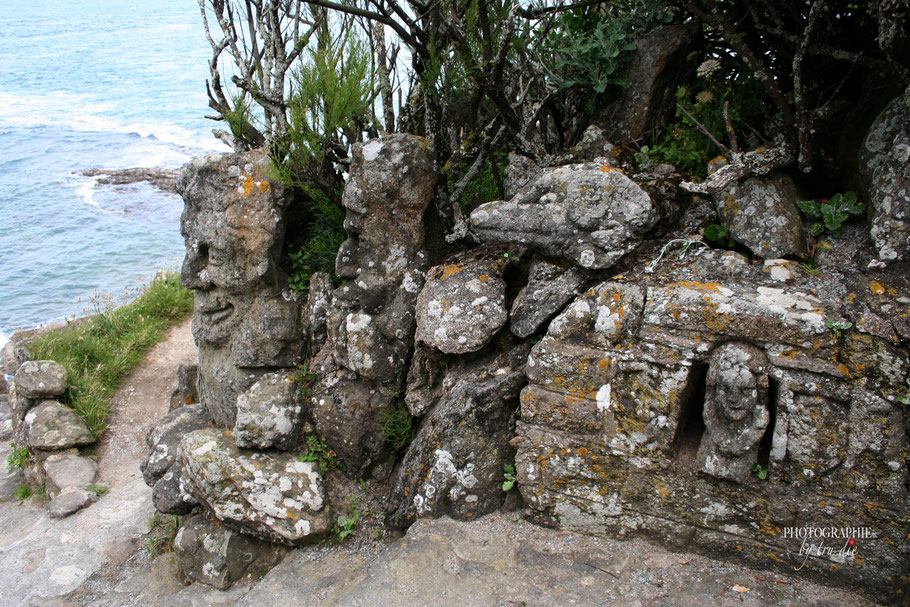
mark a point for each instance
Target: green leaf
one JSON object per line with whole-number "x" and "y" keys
{"x": 808, "y": 206}
{"x": 816, "y": 229}
{"x": 506, "y": 486}
{"x": 715, "y": 232}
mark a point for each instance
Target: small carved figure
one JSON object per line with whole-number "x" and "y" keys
{"x": 736, "y": 411}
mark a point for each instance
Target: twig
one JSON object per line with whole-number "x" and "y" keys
{"x": 734, "y": 144}
{"x": 659, "y": 596}
{"x": 703, "y": 129}
{"x": 804, "y": 124}
{"x": 604, "y": 570}
{"x": 764, "y": 579}
{"x": 721, "y": 592}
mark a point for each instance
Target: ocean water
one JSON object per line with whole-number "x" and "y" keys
{"x": 93, "y": 84}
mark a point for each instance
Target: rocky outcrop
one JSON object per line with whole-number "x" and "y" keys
{"x": 762, "y": 214}
{"x": 63, "y": 470}
{"x": 589, "y": 214}
{"x": 369, "y": 323}
{"x": 268, "y": 495}
{"x": 70, "y": 501}
{"x": 217, "y": 556}
{"x": 649, "y": 394}
{"x": 454, "y": 467}
{"x": 462, "y": 305}
{"x": 41, "y": 379}
{"x": 885, "y": 171}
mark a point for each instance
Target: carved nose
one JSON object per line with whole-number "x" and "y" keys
{"x": 194, "y": 273}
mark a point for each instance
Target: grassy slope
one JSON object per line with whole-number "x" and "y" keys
{"x": 101, "y": 352}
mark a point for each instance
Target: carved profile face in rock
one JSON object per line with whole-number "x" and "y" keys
{"x": 736, "y": 410}
{"x": 234, "y": 230}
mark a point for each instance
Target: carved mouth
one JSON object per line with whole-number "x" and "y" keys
{"x": 218, "y": 313}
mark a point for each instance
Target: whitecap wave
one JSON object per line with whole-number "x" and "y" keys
{"x": 3, "y": 340}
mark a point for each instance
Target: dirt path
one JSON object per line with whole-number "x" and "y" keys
{"x": 142, "y": 401}
{"x": 43, "y": 560}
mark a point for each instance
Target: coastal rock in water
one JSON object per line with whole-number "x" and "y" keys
{"x": 163, "y": 179}
{"x": 269, "y": 495}
{"x": 51, "y": 426}
{"x": 589, "y": 214}
{"x": 454, "y": 465}
{"x": 40, "y": 379}
{"x": 162, "y": 470}
{"x": 369, "y": 321}
{"x": 462, "y": 304}
{"x": 70, "y": 501}
{"x": 761, "y": 213}
{"x": 885, "y": 171}
{"x": 217, "y": 556}
{"x": 268, "y": 415}
{"x": 62, "y": 470}
{"x": 186, "y": 392}
{"x": 550, "y": 287}
{"x": 233, "y": 224}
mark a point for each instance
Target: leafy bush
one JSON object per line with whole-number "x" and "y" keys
{"x": 834, "y": 212}
{"x": 17, "y": 459}
{"x": 99, "y": 353}
{"x": 398, "y": 424}
{"x": 318, "y": 246}
{"x": 318, "y": 451}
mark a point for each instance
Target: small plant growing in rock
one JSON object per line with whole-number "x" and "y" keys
{"x": 837, "y": 326}
{"x": 509, "y": 476}
{"x": 318, "y": 451}
{"x": 23, "y": 492}
{"x": 161, "y": 534}
{"x": 905, "y": 399}
{"x": 398, "y": 424}
{"x": 98, "y": 490}
{"x": 716, "y": 233}
{"x": 17, "y": 459}
{"x": 834, "y": 212}
{"x": 760, "y": 471}
{"x": 346, "y": 524}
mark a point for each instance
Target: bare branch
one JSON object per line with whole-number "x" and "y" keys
{"x": 731, "y": 132}
{"x": 804, "y": 124}
{"x": 759, "y": 162}
{"x": 724, "y": 149}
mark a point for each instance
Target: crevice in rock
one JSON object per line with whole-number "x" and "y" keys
{"x": 691, "y": 425}
{"x": 764, "y": 446}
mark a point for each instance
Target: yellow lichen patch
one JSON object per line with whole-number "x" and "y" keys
{"x": 876, "y": 288}
{"x": 768, "y": 529}
{"x": 714, "y": 321}
{"x": 616, "y": 296}
{"x": 851, "y": 297}
{"x": 817, "y": 344}
{"x": 264, "y": 186}
{"x": 843, "y": 369}
{"x": 484, "y": 278}
{"x": 603, "y": 364}
{"x": 449, "y": 270}
{"x": 791, "y": 354}
{"x": 710, "y": 287}
{"x": 607, "y": 168}
{"x": 582, "y": 451}
{"x": 663, "y": 493}
{"x": 774, "y": 557}
{"x": 574, "y": 399}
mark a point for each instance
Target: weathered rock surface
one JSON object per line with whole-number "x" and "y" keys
{"x": 186, "y": 392}
{"x": 217, "y": 556}
{"x": 885, "y": 171}
{"x": 162, "y": 469}
{"x": 51, "y": 426}
{"x": 269, "y": 495}
{"x": 761, "y": 213}
{"x": 69, "y": 501}
{"x": 40, "y": 379}
{"x": 550, "y": 287}
{"x": 10, "y": 478}
{"x": 233, "y": 224}
{"x": 454, "y": 465}
{"x": 369, "y": 322}
{"x": 163, "y": 179}
{"x": 62, "y": 470}
{"x": 589, "y": 214}
{"x": 268, "y": 414}
{"x": 638, "y": 372}
{"x": 462, "y": 304}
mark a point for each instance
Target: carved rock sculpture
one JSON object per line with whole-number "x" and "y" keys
{"x": 234, "y": 229}
{"x": 736, "y": 412}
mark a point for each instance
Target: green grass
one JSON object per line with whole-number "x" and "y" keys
{"x": 100, "y": 353}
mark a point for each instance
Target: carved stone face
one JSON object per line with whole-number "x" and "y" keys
{"x": 734, "y": 388}
{"x": 233, "y": 231}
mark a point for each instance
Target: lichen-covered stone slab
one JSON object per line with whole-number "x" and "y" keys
{"x": 162, "y": 469}
{"x": 550, "y": 287}
{"x": 51, "y": 426}
{"x": 41, "y": 379}
{"x": 268, "y": 414}
{"x": 885, "y": 170}
{"x": 762, "y": 214}
{"x": 70, "y": 501}
{"x": 589, "y": 214}
{"x": 454, "y": 465}
{"x": 269, "y": 495}
{"x": 462, "y": 304}
{"x": 217, "y": 556}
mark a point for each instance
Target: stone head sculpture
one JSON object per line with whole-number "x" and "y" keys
{"x": 233, "y": 225}
{"x": 736, "y": 411}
